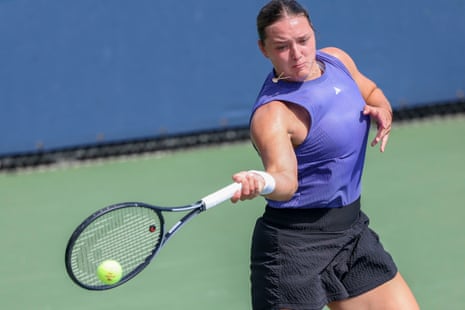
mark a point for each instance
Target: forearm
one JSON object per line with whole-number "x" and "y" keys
{"x": 286, "y": 186}
{"x": 378, "y": 107}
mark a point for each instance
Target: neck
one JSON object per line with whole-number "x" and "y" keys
{"x": 316, "y": 72}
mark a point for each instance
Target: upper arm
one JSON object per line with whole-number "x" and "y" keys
{"x": 272, "y": 132}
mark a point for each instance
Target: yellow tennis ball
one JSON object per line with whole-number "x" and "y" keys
{"x": 109, "y": 271}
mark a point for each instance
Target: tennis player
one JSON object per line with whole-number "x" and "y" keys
{"x": 313, "y": 247}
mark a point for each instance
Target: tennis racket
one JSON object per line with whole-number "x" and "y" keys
{"x": 131, "y": 233}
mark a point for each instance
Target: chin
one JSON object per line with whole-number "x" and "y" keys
{"x": 301, "y": 78}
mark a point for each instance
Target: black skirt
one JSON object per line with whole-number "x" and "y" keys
{"x": 307, "y": 258}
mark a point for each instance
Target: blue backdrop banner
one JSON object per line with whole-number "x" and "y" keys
{"x": 92, "y": 71}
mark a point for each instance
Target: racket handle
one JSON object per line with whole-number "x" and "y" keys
{"x": 221, "y": 195}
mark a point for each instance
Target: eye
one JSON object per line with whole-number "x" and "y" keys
{"x": 304, "y": 41}
{"x": 281, "y": 47}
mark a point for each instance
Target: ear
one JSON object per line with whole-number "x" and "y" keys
{"x": 262, "y": 48}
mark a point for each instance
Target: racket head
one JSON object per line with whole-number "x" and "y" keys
{"x": 130, "y": 233}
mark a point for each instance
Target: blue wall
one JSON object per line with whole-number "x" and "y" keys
{"x": 90, "y": 71}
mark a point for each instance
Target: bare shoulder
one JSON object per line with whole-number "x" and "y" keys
{"x": 365, "y": 85}
{"x": 343, "y": 57}
{"x": 276, "y": 110}
{"x": 269, "y": 122}
{"x": 273, "y": 111}
{"x": 281, "y": 119}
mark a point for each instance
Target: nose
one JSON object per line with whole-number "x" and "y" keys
{"x": 295, "y": 52}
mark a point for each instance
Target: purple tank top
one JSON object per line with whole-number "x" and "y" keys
{"x": 330, "y": 160}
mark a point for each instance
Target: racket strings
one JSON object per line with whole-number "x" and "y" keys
{"x": 127, "y": 235}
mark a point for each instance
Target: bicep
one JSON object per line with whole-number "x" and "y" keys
{"x": 271, "y": 130}
{"x": 271, "y": 136}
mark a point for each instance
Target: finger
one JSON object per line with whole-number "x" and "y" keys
{"x": 235, "y": 198}
{"x": 384, "y": 142}
{"x": 368, "y": 108}
{"x": 378, "y": 137}
{"x": 240, "y": 177}
{"x": 380, "y": 134}
{"x": 256, "y": 184}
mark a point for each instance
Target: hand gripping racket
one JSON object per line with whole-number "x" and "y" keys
{"x": 130, "y": 233}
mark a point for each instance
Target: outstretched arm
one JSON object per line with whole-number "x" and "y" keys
{"x": 275, "y": 130}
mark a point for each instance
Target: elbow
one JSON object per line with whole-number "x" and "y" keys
{"x": 285, "y": 192}
{"x": 293, "y": 190}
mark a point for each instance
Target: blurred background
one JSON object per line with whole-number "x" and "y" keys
{"x": 78, "y": 74}
{"x": 103, "y": 101}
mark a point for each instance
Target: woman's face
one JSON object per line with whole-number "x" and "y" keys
{"x": 290, "y": 46}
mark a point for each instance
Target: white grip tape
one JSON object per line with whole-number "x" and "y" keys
{"x": 270, "y": 182}
{"x": 221, "y": 195}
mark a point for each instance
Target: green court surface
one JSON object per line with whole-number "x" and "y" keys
{"x": 414, "y": 194}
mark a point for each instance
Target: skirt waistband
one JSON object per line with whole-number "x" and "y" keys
{"x": 319, "y": 219}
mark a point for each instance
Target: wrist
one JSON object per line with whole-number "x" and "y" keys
{"x": 377, "y": 99}
{"x": 270, "y": 182}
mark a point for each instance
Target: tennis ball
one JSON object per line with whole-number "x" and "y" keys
{"x": 109, "y": 271}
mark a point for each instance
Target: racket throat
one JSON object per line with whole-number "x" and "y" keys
{"x": 174, "y": 228}
{"x": 181, "y": 223}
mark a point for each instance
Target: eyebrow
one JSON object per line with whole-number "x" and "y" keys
{"x": 282, "y": 41}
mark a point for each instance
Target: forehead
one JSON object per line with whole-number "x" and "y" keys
{"x": 289, "y": 27}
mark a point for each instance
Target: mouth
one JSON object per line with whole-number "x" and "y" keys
{"x": 300, "y": 66}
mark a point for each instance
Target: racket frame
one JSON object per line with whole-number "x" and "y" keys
{"x": 194, "y": 209}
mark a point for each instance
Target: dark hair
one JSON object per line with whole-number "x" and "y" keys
{"x": 274, "y": 11}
